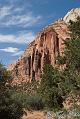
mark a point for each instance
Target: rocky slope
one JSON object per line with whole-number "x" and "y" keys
{"x": 48, "y": 44}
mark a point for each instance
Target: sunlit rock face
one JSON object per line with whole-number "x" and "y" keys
{"x": 72, "y": 15}
{"x": 47, "y": 45}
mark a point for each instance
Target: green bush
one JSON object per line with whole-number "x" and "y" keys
{"x": 9, "y": 108}
{"x": 33, "y": 102}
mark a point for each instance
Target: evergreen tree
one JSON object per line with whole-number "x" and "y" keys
{"x": 49, "y": 87}
{"x": 5, "y": 76}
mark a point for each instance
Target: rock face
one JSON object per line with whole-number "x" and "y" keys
{"x": 48, "y": 44}
{"x": 72, "y": 15}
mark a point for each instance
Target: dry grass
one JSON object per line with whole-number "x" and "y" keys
{"x": 34, "y": 115}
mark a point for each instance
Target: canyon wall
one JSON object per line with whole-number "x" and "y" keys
{"x": 48, "y": 44}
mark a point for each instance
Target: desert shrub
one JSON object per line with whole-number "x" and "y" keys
{"x": 33, "y": 102}
{"x": 20, "y": 97}
{"x": 9, "y": 108}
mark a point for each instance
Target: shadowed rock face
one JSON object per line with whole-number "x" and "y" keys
{"x": 48, "y": 44}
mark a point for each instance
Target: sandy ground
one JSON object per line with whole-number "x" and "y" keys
{"x": 34, "y": 115}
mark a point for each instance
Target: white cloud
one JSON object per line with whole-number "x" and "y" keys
{"x": 18, "y": 9}
{"x": 18, "y": 53}
{"x": 16, "y": 16}
{"x": 10, "y": 50}
{"x": 5, "y": 11}
{"x": 21, "y": 38}
{"x": 22, "y": 20}
{"x": 13, "y": 51}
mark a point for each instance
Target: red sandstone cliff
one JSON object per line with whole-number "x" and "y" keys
{"x": 48, "y": 44}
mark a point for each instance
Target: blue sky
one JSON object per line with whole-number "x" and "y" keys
{"x": 20, "y": 20}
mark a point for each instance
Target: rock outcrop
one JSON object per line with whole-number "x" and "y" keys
{"x": 48, "y": 44}
{"x": 72, "y": 15}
